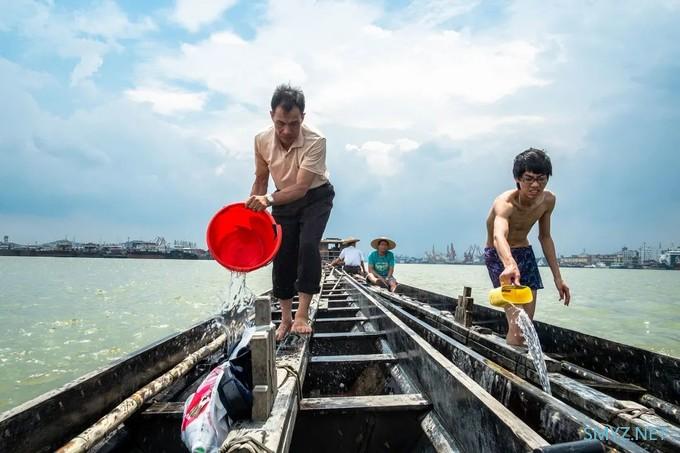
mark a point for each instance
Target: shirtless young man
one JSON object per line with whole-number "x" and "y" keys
{"x": 508, "y": 255}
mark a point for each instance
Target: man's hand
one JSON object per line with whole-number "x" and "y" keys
{"x": 563, "y": 289}
{"x": 510, "y": 276}
{"x": 257, "y": 203}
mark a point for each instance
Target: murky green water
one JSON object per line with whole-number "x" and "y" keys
{"x": 63, "y": 317}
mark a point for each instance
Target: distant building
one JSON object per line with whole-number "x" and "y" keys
{"x": 649, "y": 253}
{"x": 630, "y": 257}
{"x": 580, "y": 260}
{"x": 670, "y": 258}
{"x": 142, "y": 246}
{"x": 330, "y": 248}
{"x": 184, "y": 245}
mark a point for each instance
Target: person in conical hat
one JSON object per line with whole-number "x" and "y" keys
{"x": 351, "y": 257}
{"x": 381, "y": 263}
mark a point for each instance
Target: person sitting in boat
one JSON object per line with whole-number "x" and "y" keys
{"x": 295, "y": 156}
{"x": 351, "y": 258}
{"x": 508, "y": 255}
{"x": 381, "y": 263}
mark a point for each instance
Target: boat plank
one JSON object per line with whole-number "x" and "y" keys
{"x": 528, "y": 402}
{"x": 609, "y": 410}
{"x": 357, "y": 358}
{"x": 406, "y": 402}
{"x": 291, "y": 362}
{"x": 453, "y": 393}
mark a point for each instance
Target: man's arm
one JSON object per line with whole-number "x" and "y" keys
{"x": 289, "y": 194}
{"x": 501, "y": 226}
{"x": 548, "y": 246}
{"x": 261, "y": 176}
{"x": 371, "y": 270}
{"x": 339, "y": 259}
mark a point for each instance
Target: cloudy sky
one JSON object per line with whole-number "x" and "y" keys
{"x": 136, "y": 119}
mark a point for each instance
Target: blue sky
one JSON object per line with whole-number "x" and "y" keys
{"x": 136, "y": 119}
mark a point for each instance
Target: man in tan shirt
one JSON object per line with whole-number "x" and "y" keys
{"x": 295, "y": 156}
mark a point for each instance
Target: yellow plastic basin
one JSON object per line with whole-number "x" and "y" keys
{"x": 510, "y": 294}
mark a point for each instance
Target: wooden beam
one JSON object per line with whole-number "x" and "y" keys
{"x": 375, "y": 403}
{"x": 340, "y": 336}
{"x": 486, "y": 423}
{"x": 360, "y": 358}
{"x": 526, "y": 401}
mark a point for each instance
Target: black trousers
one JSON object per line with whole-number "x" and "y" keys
{"x": 352, "y": 269}
{"x": 297, "y": 266}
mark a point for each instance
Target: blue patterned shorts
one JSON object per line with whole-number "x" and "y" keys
{"x": 526, "y": 263}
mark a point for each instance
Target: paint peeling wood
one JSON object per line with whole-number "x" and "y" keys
{"x": 608, "y": 410}
{"x": 360, "y": 359}
{"x": 658, "y": 373}
{"x": 549, "y": 416}
{"x": 453, "y": 393}
{"x": 408, "y": 402}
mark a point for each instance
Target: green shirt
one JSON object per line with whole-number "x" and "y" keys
{"x": 381, "y": 264}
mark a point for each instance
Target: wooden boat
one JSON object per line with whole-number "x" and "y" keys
{"x": 407, "y": 372}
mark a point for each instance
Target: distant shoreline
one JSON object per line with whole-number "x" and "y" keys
{"x": 173, "y": 255}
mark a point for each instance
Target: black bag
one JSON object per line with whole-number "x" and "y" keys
{"x": 236, "y": 386}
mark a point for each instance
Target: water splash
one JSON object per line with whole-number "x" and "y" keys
{"x": 236, "y": 307}
{"x": 534, "y": 346}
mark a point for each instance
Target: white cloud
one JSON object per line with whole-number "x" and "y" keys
{"x": 383, "y": 159}
{"x": 415, "y": 78}
{"x": 434, "y": 12}
{"x": 169, "y": 101}
{"x": 106, "y": 20}
{"x": 86, "y": 34}
{"x": 193, "y": 14}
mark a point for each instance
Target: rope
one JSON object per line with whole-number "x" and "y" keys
{"x": 251, "y": 445}
{"x": 634, "y": 412}
{"x": 292, "y": 372}
{"x": 245, "y": 443}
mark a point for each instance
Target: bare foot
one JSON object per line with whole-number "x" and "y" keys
{"x": 283, "y": 330}
{"x": 301, "y": 326}
{"x": 515, "y": 341}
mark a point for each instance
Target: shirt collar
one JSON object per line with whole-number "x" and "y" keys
{"x": 299, "y": 141}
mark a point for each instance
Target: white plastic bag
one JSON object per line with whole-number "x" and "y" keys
{"x": 204, "y": 427}
{"x": 205, "y": 423}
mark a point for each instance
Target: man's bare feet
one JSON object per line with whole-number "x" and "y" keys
{"x": 283, "y": 329}
{"x": 301, "y": 326}
{"x": 515, "y": 340}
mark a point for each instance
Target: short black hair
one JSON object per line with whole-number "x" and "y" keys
{"x": 533, "y": 160}
{"x": 385, "y": 241}
{"x": 288, "y": 97}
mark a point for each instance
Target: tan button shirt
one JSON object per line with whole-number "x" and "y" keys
{"x": 307, "y": 152}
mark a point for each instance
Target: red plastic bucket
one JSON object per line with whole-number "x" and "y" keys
{"x": 241, "y": 239}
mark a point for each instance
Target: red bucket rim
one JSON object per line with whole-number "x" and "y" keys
{"x": 232, "y": 267}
